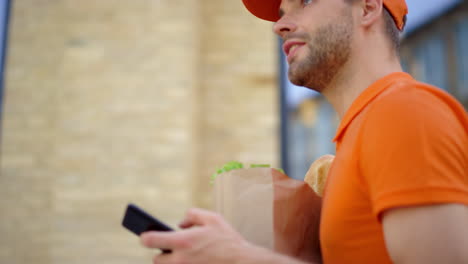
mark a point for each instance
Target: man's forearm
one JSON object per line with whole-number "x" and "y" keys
{"x": 259, "y": 255}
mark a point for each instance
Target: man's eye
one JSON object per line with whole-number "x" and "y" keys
{"x": 306, "y": 2}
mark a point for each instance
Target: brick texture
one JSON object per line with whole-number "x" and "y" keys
{"x": 116, "y": 101}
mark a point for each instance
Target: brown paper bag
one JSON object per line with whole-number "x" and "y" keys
{"x": 271, "y": 210}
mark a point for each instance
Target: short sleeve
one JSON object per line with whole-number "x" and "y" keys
{"x": 413, "y": 151}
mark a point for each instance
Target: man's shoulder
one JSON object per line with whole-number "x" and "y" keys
{"x": 408, "y": 98}
{"x": 413, "y": 109}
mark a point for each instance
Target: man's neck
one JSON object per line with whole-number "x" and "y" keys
{"x": 360, "y": 72}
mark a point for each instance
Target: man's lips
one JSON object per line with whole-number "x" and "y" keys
{"x": 290, "y": 47}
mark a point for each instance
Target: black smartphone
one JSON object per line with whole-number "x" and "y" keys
{"x": 138, "y": 221}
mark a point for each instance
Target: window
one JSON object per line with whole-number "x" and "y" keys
{"x": 431, "y": 64}
{"x": 4, "y": 11}
{"x": 461, "y": 42}
{"x": 437, "y": 54}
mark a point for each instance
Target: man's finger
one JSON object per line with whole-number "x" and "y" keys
{"x": 200, "y": 217}
{"x": 164, "y": 240}
{"x": 186, "y": 224}
{"x": 163, "y": 259}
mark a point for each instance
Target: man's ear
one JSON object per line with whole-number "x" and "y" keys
{"x": 371, "y": 11}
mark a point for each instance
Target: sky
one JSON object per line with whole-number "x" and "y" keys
{"x": 2, "y": 20}
{"x": 423, "y": 11}
{"x": 2, "y": 31}
{"x": 420, "y": 12}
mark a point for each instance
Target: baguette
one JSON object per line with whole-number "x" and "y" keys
{"x": 317, "y": 173}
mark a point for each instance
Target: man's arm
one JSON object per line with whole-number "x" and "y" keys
{"x": 427, "y": 234}
{"x": 207, "y": 238}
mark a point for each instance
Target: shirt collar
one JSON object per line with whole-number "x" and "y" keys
{"x": 365, "y": 98}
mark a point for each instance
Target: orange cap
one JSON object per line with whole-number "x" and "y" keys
{"x": 269, "y": 10}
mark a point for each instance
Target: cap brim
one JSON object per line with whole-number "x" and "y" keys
{"x": 264, "y": 9}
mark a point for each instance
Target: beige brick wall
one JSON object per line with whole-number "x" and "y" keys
{"x": 239, "y": 109}
{"x": 113, "y": 101}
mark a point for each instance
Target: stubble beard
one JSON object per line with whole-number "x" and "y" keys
{"x": 328, "y": 51}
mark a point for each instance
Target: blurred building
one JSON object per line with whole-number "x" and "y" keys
{"x": 434, "y": 50}
{"x": 114, "y": 101}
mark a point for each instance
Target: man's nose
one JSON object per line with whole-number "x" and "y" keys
{"x": 284, "y": 26}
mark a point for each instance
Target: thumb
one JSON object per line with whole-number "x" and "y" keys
{"x": 200, "y": 217}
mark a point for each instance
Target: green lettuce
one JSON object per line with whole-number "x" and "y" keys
{"x": 235, "y": 165}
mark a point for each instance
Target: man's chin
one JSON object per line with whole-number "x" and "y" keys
{"x": 293, "y": 76}
{"x": 302, "y": 82}
{"x": 304, "y": 78}
{"x": 297, "y": 80}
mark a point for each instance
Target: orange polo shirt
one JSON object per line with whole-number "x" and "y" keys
{"x": 401, "y": 143}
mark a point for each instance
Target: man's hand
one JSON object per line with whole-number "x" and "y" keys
{"x": 207, "y": 238}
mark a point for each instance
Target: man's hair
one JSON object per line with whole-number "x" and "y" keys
{"x": 391, "y": 30}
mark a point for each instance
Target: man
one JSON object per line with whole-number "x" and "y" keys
{"x": 398, "y": 189}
